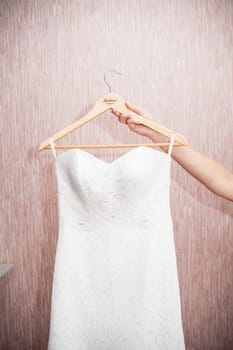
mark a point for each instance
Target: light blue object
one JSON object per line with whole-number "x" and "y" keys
{"x": 4, "y": 268}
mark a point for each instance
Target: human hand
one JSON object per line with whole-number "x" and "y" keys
{"x": 136, "y": 126}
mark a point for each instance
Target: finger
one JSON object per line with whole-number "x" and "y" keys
{"x": 119, "y": 114}
{"x": 139, "y": 129}
{"x": 121, "y": 117}
{"x": 116, "y": 112}
{"x": 133, "y": 109}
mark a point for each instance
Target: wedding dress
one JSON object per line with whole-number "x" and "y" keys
{"x": 115, "y": 284}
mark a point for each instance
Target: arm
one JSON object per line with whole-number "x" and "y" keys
{"x": 206, "y": 170}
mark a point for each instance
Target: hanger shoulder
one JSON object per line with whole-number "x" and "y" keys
{"x": 106, "y": 102}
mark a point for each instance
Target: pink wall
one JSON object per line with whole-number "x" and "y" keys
{"x": 176, "y": 59}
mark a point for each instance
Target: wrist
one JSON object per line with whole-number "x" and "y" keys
{"x": 161, "y": 139}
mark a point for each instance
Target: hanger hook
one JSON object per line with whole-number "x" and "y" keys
{"x": 111, "y": 70}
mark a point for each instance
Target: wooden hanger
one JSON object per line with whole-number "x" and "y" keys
{"x": 105, "y": 103}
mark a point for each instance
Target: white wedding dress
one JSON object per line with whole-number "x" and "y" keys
{"x": 115, "y": 284}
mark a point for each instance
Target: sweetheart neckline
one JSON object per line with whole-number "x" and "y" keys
{"x": 80, "y": 150}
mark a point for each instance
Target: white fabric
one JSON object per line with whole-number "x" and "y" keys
{"x": 115, "y": 281}
{"x": 171, "y": 144}
{"x": 52, "y": 144}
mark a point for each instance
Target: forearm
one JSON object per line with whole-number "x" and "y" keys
{"x": 206, "y": 170}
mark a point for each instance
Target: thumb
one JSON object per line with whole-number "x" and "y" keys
{"x": 139, "y": 112}
{"x": 133, "y": 109}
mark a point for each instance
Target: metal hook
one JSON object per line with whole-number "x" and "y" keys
{"x": 111, "y": 70}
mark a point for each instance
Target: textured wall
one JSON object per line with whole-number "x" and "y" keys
{"x": 176, "y": 59}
